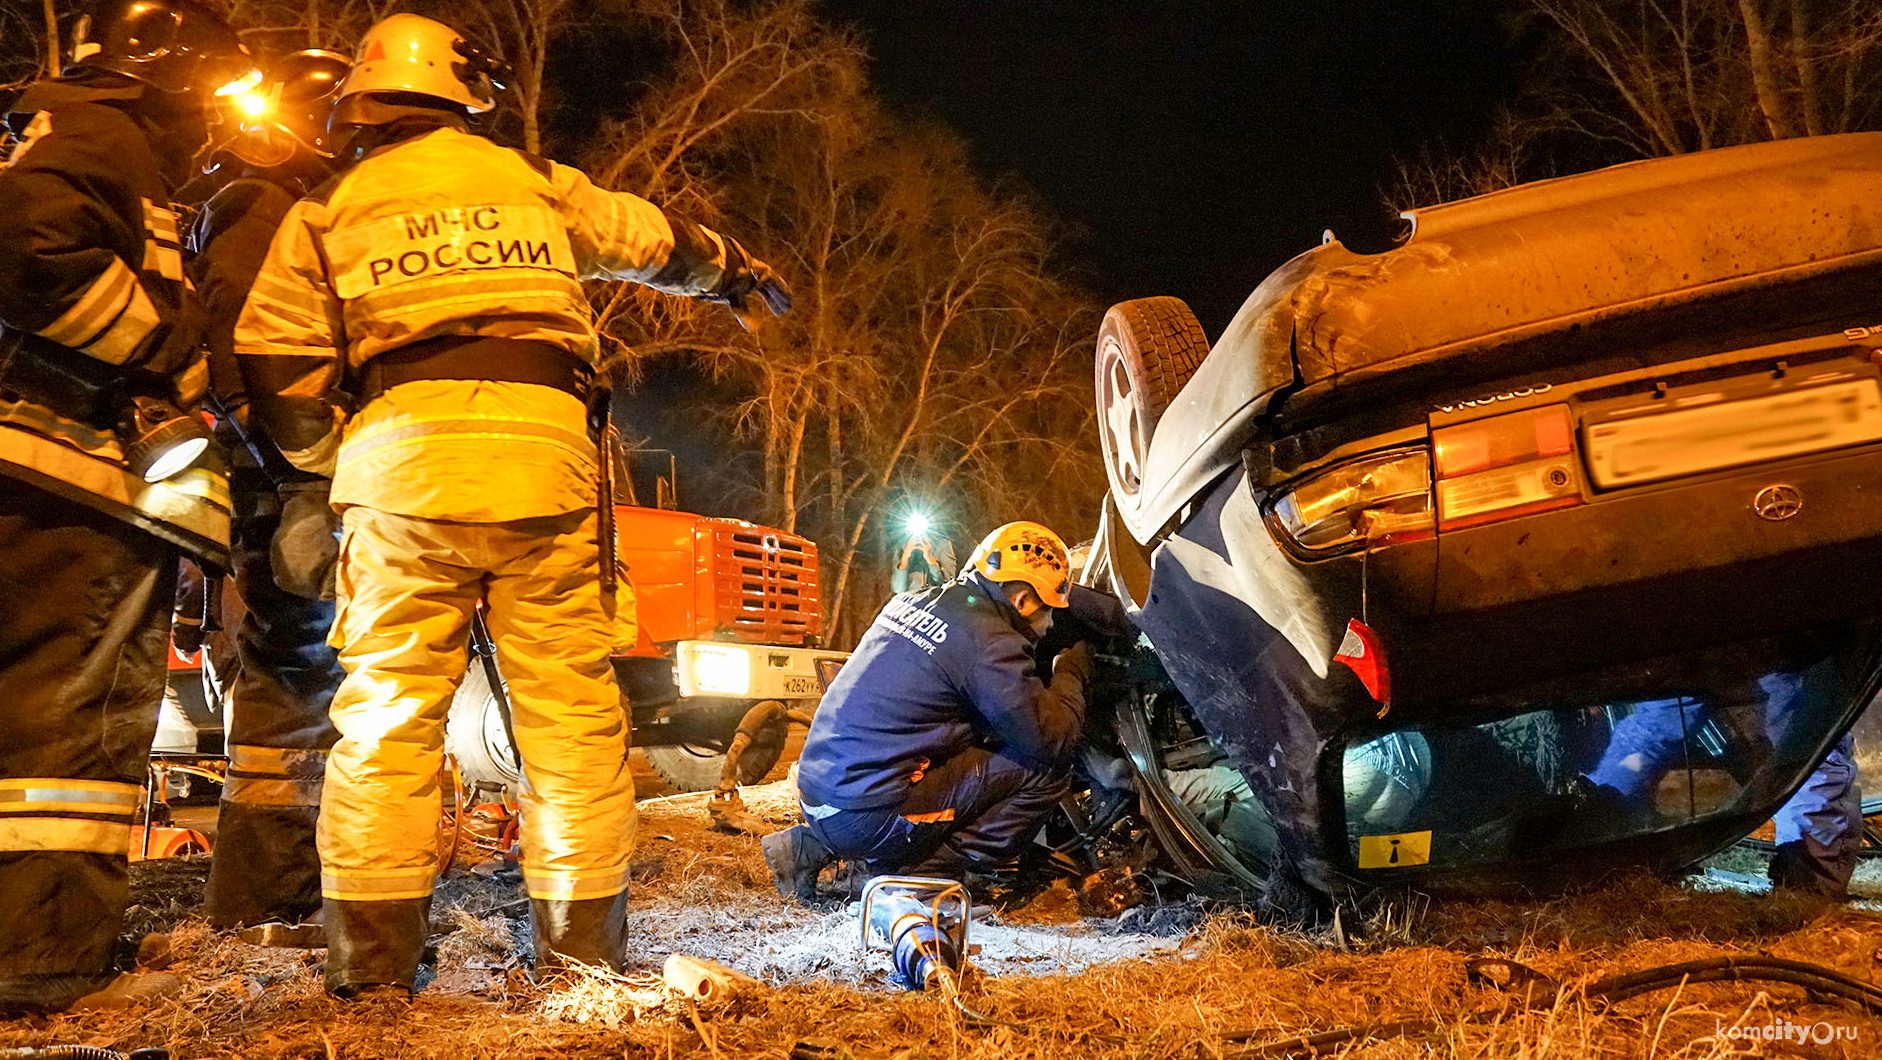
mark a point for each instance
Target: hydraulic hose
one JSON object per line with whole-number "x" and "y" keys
{"x": 79, "y": 1052}
{"x": 1615, "y": 988}
{"x": 760, "y": 717}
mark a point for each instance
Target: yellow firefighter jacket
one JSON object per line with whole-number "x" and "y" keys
{"x": 447, "y": 234}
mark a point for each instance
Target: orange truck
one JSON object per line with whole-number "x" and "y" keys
{"x": 729, "y": 618}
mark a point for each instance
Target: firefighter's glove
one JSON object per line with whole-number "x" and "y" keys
{"x": 192, "y": 590}
{"x": 753, "y": 280}
{"x": 1073, "y": 664}
{"x": 306, "y": 544}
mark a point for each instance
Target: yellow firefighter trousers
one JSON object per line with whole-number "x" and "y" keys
{"x": 408, "y": 588}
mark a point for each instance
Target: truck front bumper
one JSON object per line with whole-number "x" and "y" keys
{"x": 753, "y": 671}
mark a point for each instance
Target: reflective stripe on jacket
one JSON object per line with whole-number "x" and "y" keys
{"x": 447, "y": 234}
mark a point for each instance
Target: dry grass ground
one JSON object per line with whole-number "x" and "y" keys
{"x": 1087, "y": 988}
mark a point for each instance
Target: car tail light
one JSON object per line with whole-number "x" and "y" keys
{"x": 1374, "y": 499}
{"x": 1505, "y": 466}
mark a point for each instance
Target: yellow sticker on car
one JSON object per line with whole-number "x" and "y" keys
{"x": 1394, "y": 851}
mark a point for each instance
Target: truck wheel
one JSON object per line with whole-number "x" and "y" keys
{"x": 691, "y": 767}
{"x": 473, "y": 733}
{"x": 1147, "y": 349}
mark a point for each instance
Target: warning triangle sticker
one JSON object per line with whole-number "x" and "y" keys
{"x": 377, "y": 50}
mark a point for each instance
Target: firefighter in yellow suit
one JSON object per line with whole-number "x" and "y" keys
{"x": 438, "y": 283}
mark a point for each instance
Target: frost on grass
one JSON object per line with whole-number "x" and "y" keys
{"x": 1155, "y": 983}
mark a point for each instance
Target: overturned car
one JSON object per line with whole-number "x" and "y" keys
{"x": 1545, "y": 542}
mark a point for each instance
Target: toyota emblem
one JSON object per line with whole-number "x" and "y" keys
{"x": 1777, "y": 503}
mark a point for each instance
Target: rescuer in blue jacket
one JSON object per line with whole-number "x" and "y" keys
{"x": 937, "y": 749}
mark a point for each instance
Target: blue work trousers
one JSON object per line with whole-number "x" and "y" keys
{"x": 1819, "y": 831}
{"x": 972, "y": 812}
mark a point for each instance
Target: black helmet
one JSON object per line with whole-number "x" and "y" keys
{"x": 287, "y": 113}
{"x": 170, "y": 45}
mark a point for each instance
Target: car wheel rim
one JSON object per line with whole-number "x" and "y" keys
{"x": 1123, "y": 427}
{"x": 496, "y": 741}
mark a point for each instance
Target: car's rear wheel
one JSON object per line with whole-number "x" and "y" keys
{"x": 1193, "y": 844}
{"x": 1148, "y": 348}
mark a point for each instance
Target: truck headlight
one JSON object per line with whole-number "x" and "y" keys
{"x": 721, "y": 669}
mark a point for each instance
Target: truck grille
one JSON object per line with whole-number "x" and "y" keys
{"x": 764, "y": 585}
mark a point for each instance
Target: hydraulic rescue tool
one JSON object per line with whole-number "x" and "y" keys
{"x": 922, "y": 922}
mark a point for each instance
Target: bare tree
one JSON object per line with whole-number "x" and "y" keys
{"x": 1510, "y": 154}
{"x": 521, "y": 31}
{"x": 1624, "y": 79}
{"x": 29, "y": 43}
{"x": 933, "y": 353}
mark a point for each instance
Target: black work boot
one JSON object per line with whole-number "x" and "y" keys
{"x": 795, "y": 857}
{"x": 375, "y": 944}
{"x": 592, "y": 931}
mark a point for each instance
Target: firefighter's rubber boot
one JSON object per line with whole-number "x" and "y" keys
{"x": 795, "y": 857}
{"x": 591, "y": 932}
{"x": 375, "y": 944}
{"x": 39, "y": 995}
{"x": 266, "y": 869}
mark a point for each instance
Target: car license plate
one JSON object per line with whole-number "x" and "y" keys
{"x": 801, "y": 686}
{"x": 1628, "y": 452}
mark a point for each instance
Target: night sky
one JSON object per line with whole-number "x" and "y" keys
{"x": 1190, "y": 146}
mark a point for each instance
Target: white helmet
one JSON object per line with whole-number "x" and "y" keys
{"x": 414, "y": 55}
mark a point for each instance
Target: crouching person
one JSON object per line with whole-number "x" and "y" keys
{"x": 937, "y": 751}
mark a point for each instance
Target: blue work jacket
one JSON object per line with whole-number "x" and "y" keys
{"x": 940, "y": 670}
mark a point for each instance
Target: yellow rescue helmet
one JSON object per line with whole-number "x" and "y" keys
{"x": 1026, "y": 552}
{"x": 422, "y": 56}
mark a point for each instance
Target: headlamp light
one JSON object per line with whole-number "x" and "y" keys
{"x": 252, "y": 105}
{"x": 161, "y": 440}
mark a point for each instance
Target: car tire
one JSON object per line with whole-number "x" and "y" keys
{"x": 689, "y": 767}
{"x": 474, "y": 733}
{"x": 1148, "y": 348}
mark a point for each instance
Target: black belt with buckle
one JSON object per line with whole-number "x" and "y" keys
{"x": 478, "y": 358}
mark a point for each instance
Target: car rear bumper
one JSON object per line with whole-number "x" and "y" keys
{"x": 1647, "y": 572}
